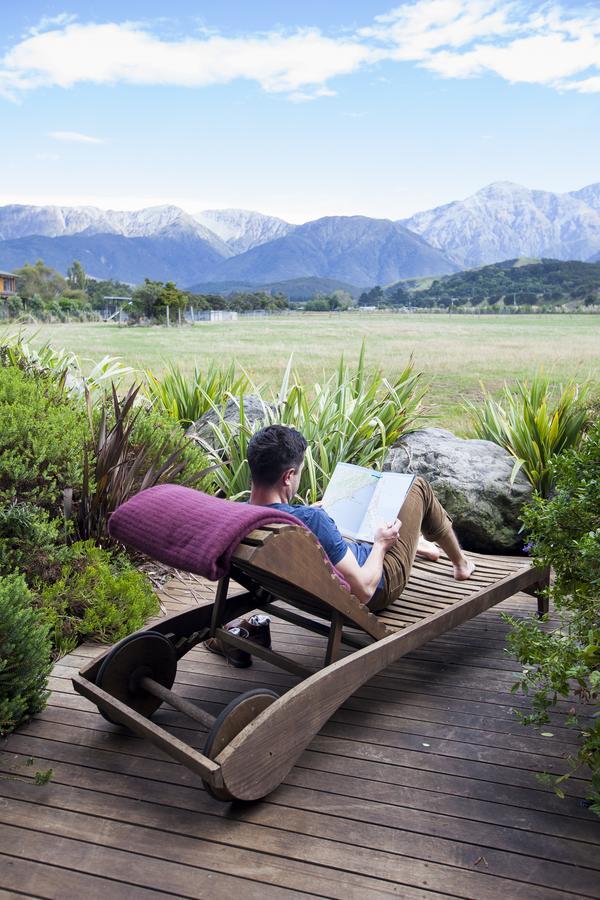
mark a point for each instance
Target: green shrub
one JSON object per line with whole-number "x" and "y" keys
{"x": 565, "y": 533}
{"x": 161, "y": 436}
{"x": 533, "y": 424}
{"x": 24, "y": 655}
{"x": 97, "y": 596}
{"x": 354, "y": 416}
{"x": 30, "y": 542}
{"x": 42, "y": 434}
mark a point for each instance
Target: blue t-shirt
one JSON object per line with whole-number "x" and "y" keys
{"x": 327, "y": 532}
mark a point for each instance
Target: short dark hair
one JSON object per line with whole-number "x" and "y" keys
{"x": 272, "y": 450}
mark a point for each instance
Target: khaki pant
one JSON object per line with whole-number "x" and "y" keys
{"x": 421, "y": 512}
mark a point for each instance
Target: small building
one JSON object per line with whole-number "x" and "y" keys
{"x": 115, "y": 307}
{"x": 8, "y": 284}
{"x": 212, "y": 315}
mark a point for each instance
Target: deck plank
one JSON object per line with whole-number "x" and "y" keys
{"x": 421, "y": 786}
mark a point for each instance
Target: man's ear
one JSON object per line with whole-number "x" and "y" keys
{"x": 287, "y": 475}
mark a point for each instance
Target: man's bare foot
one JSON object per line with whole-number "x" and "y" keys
{"x": 427, "y": 549}
{"x": 463, "y": 569}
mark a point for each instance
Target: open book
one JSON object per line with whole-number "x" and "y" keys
{"x": 360, "y": 500}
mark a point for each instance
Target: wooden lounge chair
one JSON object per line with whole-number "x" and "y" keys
{"x": 256, "y": 740}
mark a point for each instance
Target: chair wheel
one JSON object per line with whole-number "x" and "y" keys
{"x": 233, "y": 719}
{"x": 146, "y": 653}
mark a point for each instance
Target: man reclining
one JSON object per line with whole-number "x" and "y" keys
{"x": 377, "y": 573}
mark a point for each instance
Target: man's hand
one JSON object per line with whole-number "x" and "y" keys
{"x": 387, "y": 535}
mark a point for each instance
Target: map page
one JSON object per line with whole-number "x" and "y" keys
{"x": 360, "y": 500}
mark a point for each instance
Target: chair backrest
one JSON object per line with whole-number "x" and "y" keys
{"x": 288, "y": 562}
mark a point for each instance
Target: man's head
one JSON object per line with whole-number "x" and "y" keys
{"x": 276, "y": 453}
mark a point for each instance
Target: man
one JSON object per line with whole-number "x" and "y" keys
{"x": 376, "y": 573}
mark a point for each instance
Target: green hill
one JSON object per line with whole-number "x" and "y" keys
{"x": 519, "y": 282}
{"x": 294, "y": 288}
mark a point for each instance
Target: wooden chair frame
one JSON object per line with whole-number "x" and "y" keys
{"x": 260, "y": 741}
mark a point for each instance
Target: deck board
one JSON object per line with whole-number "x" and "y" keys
{"x": 421, "y": 786}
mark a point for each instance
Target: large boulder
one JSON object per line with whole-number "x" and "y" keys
{"x": 255, "y": 410}
{"x": 471, "y": 479}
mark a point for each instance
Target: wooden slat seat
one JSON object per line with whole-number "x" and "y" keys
{"x": 283, "y": 569}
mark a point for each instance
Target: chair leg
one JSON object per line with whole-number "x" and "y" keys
{"x": 543, "y": 602}
{"x": 218, "y": 613}
{"x": 334, "y": 641}
{"x": 540, "y": 591}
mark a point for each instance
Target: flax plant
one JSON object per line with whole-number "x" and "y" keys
{"x": 62, "y": 366}
{"x": 114, "y": 468}
{"x": 185, "y": 399}
{"x": 353, "y": 416}
{"x": 534, "y": 423}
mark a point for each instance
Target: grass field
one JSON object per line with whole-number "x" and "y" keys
{"x": 455, "y": 353}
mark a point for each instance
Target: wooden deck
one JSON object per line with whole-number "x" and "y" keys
{"x": 422, "y": 785}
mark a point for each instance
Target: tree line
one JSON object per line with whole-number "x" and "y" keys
{"x": 547, "y": 282}
{"x": 44, "y": 293}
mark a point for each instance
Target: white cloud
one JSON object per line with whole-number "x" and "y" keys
{"x": 517, "y": 40}
{"x": 111, "y": 53}
{"x": 520, "y": 43}
{"x": 74, "y": 137}
{"x": 47, "y": 22}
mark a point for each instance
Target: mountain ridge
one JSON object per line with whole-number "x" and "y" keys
{"x": 501, "y": 221}
{"x": 505, "y": 220}
{"x": 354, "y": 249}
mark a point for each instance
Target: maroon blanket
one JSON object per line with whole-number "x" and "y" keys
{"x": 187, "y": 529}
{"x": 190, "y": 530}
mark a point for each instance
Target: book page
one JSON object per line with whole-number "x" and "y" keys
{"x": 389, "y": 495}
{"x": 348, "y": 496}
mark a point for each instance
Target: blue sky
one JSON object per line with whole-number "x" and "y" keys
{"x": 297, "y": 109}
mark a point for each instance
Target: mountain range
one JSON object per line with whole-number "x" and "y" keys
{"x": 505, "y": 220}
{"x": 501, "y": 221}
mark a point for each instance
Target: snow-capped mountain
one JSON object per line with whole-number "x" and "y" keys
{"x": 355, "y": 249}
{"x": 501, "y": 221}
{"x": 589, "y": 195}
{"x": 505, "y": 220}
{"x": 61, "y": 221}
{"x": 242, "y": 229}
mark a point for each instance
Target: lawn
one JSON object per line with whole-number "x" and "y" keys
{"x": 455, "y": 353}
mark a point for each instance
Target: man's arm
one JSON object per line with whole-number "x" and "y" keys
{"x": 363, "y": 580}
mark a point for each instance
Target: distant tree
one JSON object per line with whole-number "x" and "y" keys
{"x": 328, "y": 303}
{"x": 240, "y": 302}
{"x": 344, "y": 297}
{"x": 147, "y": 299}
{"x": 216, "y": 301}
{"x": 526, "y": 298}
{"x": 318, "y": 304}
{"x": 278, "y": 300}
{"x": 39, "y": 279}
{"x": 76, "y": 276}
{"x": 13, "y": 306}
{"x": 171, "y": 298}
{"x": 37, "y": 307}
{"x": 374, "y": 297}
{"x": 198, "y": 302}
{"x": 398, "y": 296}
{"x": 97, "y": 290}
{"x": 74, "y": 302}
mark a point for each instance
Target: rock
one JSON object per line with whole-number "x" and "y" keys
{"x": 471, "y": 479}
{"x": 255, "y": 410}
